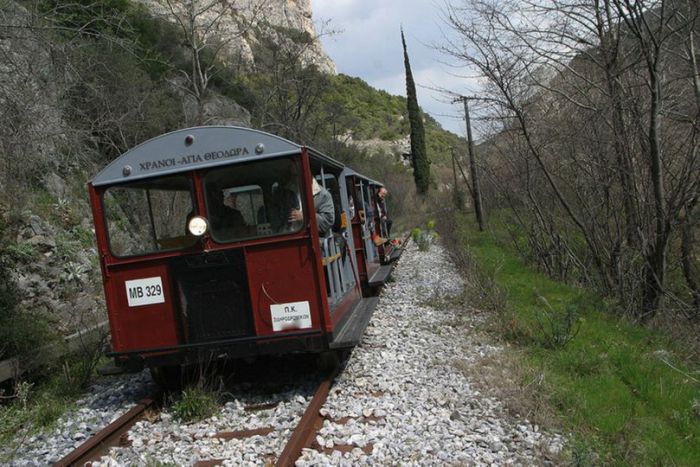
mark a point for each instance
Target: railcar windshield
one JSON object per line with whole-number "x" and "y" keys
{"x": 149, "y": 216}
{"x": 254, "y": 200}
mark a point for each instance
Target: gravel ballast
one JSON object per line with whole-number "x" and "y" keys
{"x": 401, "y": 400}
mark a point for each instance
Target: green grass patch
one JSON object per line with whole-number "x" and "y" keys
{"x": 37, "y": 408}
{"x": 618, "y": 387}
{"x": 196, "y": 403}
{"x": 35, "y": 405}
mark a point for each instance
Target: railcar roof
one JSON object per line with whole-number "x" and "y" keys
{"x": 197, "y": 148}
{"x": 348, "y": 171}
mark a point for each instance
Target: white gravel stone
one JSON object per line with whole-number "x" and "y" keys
{"x": 402, "y": 369}
{"x": 107, "y": 400}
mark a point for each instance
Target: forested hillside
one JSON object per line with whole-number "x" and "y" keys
{"x": 82, "y": 82}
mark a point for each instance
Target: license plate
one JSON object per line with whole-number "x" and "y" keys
{"x": 146, "y": 291}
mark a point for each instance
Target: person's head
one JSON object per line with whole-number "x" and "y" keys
{"x": 315, "y": 187}
{"x": 383, "y": 192}
{"x": 215, "y": 195}
{"x": 288, "y": 174}
{"x": 230, "y": 200}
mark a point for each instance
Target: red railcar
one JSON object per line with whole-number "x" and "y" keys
{"x": 200, "y": 258}
{"x": 374, "y": 258}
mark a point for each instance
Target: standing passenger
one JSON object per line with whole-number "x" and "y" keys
{"x": 325, "y": 210}
{"x": 383, "y": 215}
{"x": 283, "y": 199}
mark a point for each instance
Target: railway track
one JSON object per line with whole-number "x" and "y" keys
{"x": 116, "y": 433}
{"x": 112, "y": 435}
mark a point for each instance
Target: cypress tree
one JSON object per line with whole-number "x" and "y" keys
{"x": 419, "y": 156}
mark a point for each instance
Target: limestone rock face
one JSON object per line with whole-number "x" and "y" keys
{"x": 229, "y": 23}
{"x": 294, "y": 14}
{"x": 217, "y": 110}
{"x": 297, "y": 14}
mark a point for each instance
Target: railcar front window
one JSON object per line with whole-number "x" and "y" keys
{"x": 149, "y": 216}
{"x": 259, "y": 199}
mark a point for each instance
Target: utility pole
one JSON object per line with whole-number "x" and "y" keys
{"x": 475, "y": 188}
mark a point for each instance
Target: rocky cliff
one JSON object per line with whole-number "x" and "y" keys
{"x": 236, "y": 24}
{"x": 56, "y": 105}
{"x": 297, "y": 14}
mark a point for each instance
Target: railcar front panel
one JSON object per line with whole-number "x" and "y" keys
{"x": 141, "y": 305}
{"x": 264, "y": 290}
{"x": 284, "y": 288}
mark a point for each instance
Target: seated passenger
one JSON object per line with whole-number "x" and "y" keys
{"x": 282, "y": 202}
{"x": 232, "y": 217}
{"x": 222, "y": 210}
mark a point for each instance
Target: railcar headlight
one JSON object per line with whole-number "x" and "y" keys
{"x": 197, "y": 226}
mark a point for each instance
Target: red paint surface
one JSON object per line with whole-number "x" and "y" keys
{"x": 144, "y": 326}
{"x": 360, "y": 251}
{"x": 283, "y": 273}
{"x": 345, "y": 305}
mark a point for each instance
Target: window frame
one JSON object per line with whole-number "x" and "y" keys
{"x": 105, "y": 211}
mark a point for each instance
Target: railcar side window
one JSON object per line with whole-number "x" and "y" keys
{"x": 253, "y": 200}
{"x": 149, "y": 216}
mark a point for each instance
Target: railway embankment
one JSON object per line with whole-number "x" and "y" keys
{"x": 406, "y": 396}
{"x": 627, "y": 392}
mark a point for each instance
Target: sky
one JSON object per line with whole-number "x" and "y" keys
{"x": 368, "y": 45}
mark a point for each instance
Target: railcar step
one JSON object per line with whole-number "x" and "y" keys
{"x": 395, "y": 254}
{"x": 351, "y": 330}
{"x": 381, "y": 275}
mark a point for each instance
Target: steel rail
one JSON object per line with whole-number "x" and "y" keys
{"x": 302, "y": 436}
{"x": 310, "y": 423}
{"x": 109, "y": 436}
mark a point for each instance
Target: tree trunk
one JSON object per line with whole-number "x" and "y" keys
{"x": 655, "y": 265}
{"x": 691, "y": 269}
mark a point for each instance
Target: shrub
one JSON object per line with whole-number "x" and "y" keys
{"x": 8, "y": 289}
{"x": 8, "y": 298}
{"x": 424, "y": 238}
{"x": 196, "y": 403}
{"x": 19, "y": 331}
{"x": 78, "y": 370}
{"x": 557, "y": 327}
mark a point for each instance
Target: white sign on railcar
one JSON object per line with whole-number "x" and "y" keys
{"x": 146, "y": 291}
{"x": 295, "y": 315}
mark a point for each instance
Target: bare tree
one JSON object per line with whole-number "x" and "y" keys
{"x": 289, "y": 87}
{"x": 597, "y": 95}
{"x": 212, "y": 31}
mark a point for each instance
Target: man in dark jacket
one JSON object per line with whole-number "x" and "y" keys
{"x": 383, "y": 215}
{"x": 232, "y": 216}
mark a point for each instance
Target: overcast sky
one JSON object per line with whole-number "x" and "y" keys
{"x": 368, "y": 45}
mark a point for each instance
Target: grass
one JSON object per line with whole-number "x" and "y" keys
{"x": 195, "y": 403}
{"x": 619, "y": 388}
{"x": 40, "y": 403}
